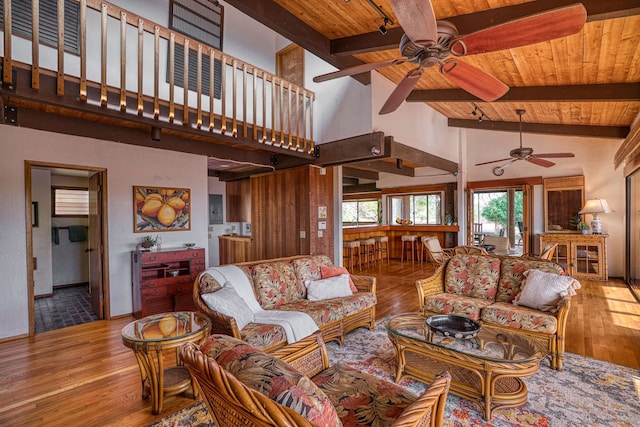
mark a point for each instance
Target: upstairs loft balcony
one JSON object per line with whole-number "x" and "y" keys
{"x": 126, "y": 84}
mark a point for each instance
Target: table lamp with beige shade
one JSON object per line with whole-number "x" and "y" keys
{"x": 595, "y": 207}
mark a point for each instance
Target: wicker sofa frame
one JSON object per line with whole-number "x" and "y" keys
{"x": 230, "y": 402}
{"x": 331, "y": 331}
{"x": 552, "y": 343}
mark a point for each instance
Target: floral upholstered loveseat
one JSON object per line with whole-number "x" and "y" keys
{"x": 242, "y": 385}
{"x": 279, "y": 284}
{"x": 484, "y": 288}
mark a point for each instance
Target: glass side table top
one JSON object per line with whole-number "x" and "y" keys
{"x": 492, "y": 344}
{"x": 165, "y": 327}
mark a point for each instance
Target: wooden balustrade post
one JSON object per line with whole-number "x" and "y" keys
{"x": 199, "y": 87}
{"x": 140, "y": 65}
{"x": 103, "y": 54}
{"x": 60, "y": 73}
{"x": 185, "y": 84}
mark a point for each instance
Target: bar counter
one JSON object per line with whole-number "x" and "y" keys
{"x": 447, "y": 234}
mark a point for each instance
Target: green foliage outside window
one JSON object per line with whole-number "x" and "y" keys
{"x": 358, "y": 212}
{"x": 496, "y": 209}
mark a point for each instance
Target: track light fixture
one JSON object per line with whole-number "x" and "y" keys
{"x": 386, "y": 20}
{"x": 479, "y": 114}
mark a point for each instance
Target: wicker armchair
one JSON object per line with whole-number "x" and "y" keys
{"x": 231, "y": 402}
{"x": 436, "y": 253}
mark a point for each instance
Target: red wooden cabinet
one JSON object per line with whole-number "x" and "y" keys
{"x": 162, "y": 281}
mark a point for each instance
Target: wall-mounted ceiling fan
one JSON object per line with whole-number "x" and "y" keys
{"x": 525, "y": 153}
{"x": 427, "y": 42}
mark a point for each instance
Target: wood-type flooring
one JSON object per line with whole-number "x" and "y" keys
{"x": 84, "y": 376}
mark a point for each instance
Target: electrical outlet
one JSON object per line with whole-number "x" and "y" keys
{"x": 303, "y": 234}
{"x": 320, "y": 233}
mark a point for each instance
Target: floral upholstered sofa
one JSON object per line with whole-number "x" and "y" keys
{"x": 242, "y": 385}
{"x": 281, "y": 284}
{"x": 529, "y": 295}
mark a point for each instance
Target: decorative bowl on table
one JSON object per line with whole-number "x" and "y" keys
{"x": 189, "y": 245}
{"x": 453, "y": 326}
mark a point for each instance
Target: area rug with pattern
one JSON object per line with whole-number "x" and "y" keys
{"x": 587, "y": 392}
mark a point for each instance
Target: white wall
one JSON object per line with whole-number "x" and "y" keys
{"x": 126, "y": 166}
{"x": 216, "y": 186}
{"x": 343, "y": 106}
{"x": 594, "y": 160}
{"x": 41, "y": 193}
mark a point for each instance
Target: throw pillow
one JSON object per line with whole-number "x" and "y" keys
{"x": 227, "y": 301}
{"x": 327, "y": 272}
{"x": 333, "y": 287}
{"x": 544, "y": 291}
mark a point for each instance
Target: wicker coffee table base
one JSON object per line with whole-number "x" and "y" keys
{"x": 492, "y": 385}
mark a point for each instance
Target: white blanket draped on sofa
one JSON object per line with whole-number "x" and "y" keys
{"x": 297, "y": 325}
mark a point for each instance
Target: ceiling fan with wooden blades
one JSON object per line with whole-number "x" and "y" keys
{"x": 428, "y": 42}
{"x": 525, "y": 153}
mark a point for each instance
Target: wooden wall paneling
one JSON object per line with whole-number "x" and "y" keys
{"x": 238, "y": 200}
{"x": 321, "y": 194}
{"x": 284, "y": 203}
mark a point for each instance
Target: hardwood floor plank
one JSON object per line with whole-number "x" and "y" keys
{"x": 84, "y": 375}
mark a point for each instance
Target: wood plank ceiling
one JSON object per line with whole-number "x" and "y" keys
{"x": 583, "y": 84}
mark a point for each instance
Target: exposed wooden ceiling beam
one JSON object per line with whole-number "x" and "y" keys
{"x": 347, "y": 180}
{"x": 140, "y": 136}
{"x": 597, "y": 10}
{"x": 592, "y": 93}
{"x": 348, "y": 150}
{"x": 544, "y": 128}
{"x": 382, "y": 166}
{"x": 401, "y": 151}
{"x": 360, "y": 173}
{"x": 280, "y": 20}
{"x": 362, "y": 188}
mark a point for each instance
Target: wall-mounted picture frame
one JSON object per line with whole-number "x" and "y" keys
{"x": 161, "y": 209}
{"x": 34, "y": 214}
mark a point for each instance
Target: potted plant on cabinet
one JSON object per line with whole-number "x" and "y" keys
{"x": 583, "y": 227}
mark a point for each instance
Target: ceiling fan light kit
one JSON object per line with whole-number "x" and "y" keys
{"x": 427, "y": 42}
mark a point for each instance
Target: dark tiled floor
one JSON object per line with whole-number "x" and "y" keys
{"x": 67, "y": 307}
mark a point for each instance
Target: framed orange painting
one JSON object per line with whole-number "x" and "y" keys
{"x": 161, "y": 209}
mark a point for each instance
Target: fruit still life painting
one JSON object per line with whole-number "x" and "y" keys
{"x": 161, "y": 209}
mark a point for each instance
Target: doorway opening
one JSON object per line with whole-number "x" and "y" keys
{"x": 66, "y": 235}
{"x": 501, "y": 214}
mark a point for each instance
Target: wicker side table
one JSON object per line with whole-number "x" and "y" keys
{"x": 150, "y": 337}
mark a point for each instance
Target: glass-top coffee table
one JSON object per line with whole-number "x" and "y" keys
{"x": 486, "y": 369}
{"x": 150, "y": 337}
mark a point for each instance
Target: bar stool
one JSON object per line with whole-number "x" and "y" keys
{"x": 351, "y": 251}
{"x": 423, "y": 247}
{"x": 411, "y": 240}
{"x": 368, "y": 251}
{"x": 382, "y": 247}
